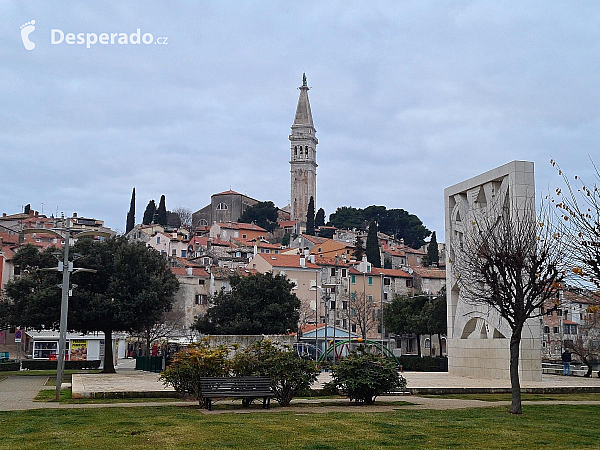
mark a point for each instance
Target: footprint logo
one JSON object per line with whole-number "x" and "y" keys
{"x": 26, "y": 30}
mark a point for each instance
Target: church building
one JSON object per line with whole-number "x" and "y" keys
{"x": 303, "y": 160}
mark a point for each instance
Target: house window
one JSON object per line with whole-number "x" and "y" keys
{"x": 158, "y": 239}
{"x": 221, "y": 206}
{"x": 243, "y": 236}
{"x": 344, "y": 273}
{"x": 354, "y": 328}
{"x": 333, "y": 272}
{"x": 409, "y": 282}
{"x": 549, "y": 312}
{"x": 386, "y": 281}
{"x": 201, "y": 299}
{"x": 333, "y": 304}
{"x": 370, "y": 281}
{"x": 344, "y": 305}
{"x": 427, "y": 343}
{"x": 570, "y": 329}
{"x": 353, "y": 279}
{"x": 559, "y": 312}
{"x": 174, "y": 252}
{"x": 555, "y": 329}
{"x": 371, "y": 299}
{"x": 546, "y": 329}
{"x": 183, "y": 253}
{"x": 312, "y": 284}
{"x": 385, "y": 295}
{"x": 201, "y": 282}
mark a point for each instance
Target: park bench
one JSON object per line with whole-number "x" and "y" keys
{"x": 236, "y": 387}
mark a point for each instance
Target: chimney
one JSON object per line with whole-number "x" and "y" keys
{"x": 189, "y": 271}
{"x": 305, "y": 252}
{"x": 74, "y": 215}
{"x": 255, "y": 249}
{"x": 3, "y": 214}
{"x": 302, "y": 261}
{"x": 312, "y": 258}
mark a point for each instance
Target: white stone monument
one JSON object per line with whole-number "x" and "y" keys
{"x": 478, "y": 338}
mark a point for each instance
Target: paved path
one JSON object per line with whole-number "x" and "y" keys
{"x": 18, "y": 392}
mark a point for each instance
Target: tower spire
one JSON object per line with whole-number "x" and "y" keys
{"x": 303, "y": 159}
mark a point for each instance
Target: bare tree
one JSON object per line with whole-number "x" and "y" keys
{"x": 185, "y": 216}
{"x": 170, "y": 325}
{"x": 587, "y": 344}
{"x": 512, "y": 262}
{"x": 579, "y": 210}
{"x": 364, "y": 313}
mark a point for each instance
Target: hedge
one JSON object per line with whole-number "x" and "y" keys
{"x": 9, "y": 366}
{"x": 424, "y": 364}
{"x": 38, "y": 364}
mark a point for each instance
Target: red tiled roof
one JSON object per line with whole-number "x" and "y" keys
{"x": 569, "y": 322}
{"x": 241, "y": 226}
{"x": 314, "y": 239}
{"x": 331, "y": 261}
{"x": 196, "y": 271}
{"x": 227, "y": 192}
{"x": 426, "y": 272}
{"x": 203, "y": 241}
{"x": 394, "y": 252}
{"x": 391, "y": 272}
{"x": 286, "y": 261}
{"x": 287, "y": 223}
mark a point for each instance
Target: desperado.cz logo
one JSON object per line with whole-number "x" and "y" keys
{"x": 58, "y": 36}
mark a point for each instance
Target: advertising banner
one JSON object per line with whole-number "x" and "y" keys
{"x": 79, "y": 349}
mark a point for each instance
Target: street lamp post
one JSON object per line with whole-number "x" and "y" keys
{"x": 66, "y": 267}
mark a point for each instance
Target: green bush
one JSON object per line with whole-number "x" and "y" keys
{"x": 290, "y": 375}
{"x": 363, "y": 376}
{"x": 9, "y": 366}
{"x": 423, "y": 364}
{"x": 192, "y": 363}
{"x": 42, "y": 364}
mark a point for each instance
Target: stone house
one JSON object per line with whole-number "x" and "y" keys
{"x": 225, "y": 206}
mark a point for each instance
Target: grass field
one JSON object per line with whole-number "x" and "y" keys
{"x": 49, "y": 395}
{"x": 558, "y": 426}
{"x": 530, "y": 397}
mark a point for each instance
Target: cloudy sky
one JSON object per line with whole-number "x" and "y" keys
{"x": 407, "y": 98}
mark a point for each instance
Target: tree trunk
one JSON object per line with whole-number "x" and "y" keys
{"x": 440, "y": 342}
{"x": 419, "y": 344}
{"x": 515, "y": 343}
{"x": 109, "y": 365}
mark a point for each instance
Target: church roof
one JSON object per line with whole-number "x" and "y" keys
{"x": 303, "y": 113}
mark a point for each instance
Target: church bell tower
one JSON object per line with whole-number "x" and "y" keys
{"x": 303, "y": 160}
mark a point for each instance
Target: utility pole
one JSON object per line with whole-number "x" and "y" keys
{"x": 66, "y": 268}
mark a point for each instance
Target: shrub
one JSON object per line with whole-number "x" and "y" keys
{"x": 42, "y": 364}
{"x": 363, "y": 376}
{"x": 192, "y": 363}
{"x": 9, "y": 366}
{"x": 290, "y": 375}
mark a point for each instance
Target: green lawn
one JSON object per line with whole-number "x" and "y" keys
{"x": 558, "y": 426}
{"x": 44, "y": 373}
{"x": 530, "y": 397}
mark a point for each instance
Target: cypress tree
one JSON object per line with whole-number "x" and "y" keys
{"x": 310, "y": 217}
{"x": 320, "y": 218}
{"x": 149, "y": 213}
{"x": 359, "y": 250}
{"x": 372, "y": 252}
{"x": 131, "y": 214}
{"x": 161, "y": 212}
{"x": 433, "y": 255}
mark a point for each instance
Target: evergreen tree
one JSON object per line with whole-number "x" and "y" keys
{"x": 286, "y": 239}
{"x": 161, "y": 212}
{"x": 263, "y": 214}
{"x": 320, "y": 218}
{"x": 359, "y": 251}
{"x": 131, "y": 214}
{"x": 149, "y": 213}
{"x": 310, "y": 218}
{"x": 433, "y": 255}
{"x": 372, "y": 252}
